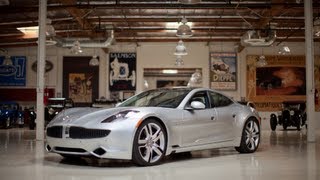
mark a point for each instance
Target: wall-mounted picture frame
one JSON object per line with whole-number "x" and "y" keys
{"x": 223, "y": 70}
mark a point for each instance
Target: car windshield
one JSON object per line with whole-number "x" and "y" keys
{"x": 170, "y": 98}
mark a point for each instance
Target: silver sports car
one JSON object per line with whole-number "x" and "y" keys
{"x": 156, "y": 123}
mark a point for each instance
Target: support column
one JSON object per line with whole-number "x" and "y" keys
{"x": 41, "y": 68}
{"x": 309, "y": 52}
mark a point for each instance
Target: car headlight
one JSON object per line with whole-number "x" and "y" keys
{"x": 120, "y": 115}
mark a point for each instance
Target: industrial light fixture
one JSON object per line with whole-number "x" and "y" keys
{"x": 284, "y": 50}
{"x": 184, "y": 30}
{"x": 261, "y": 61}
{"x": 181, "y": 50}
{"x": 170, "y": 71}
{"x": 189, "y": 1}
{"x": 50, "y": 31}
{"x": 316, "y": 27}
{"x": 76, "y": 49}
{"x": 179, "y": 61}
{"x": 94, "y": 61}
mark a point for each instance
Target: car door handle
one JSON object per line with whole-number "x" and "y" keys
{"x": 233, "y": 115}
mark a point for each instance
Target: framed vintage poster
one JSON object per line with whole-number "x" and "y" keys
{"x": 122, "y": 70}
{"x": 282, "y": 79}
{"x": 80, "y": 87}
{"x": 223, "y": 71}
{"x": 80, "y": 80}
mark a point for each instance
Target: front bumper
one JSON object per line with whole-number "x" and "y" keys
{"x": 116, "y": 145}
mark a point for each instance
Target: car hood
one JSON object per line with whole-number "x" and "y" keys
{"x": 84, "y": 116}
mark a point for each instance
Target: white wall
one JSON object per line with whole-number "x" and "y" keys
{"x": 155, "y": 55}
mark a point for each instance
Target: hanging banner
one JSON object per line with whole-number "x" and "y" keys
{"x": 122, "y": 70}
{"x": 13, "y": 73}
{"x": 223, "y": 71}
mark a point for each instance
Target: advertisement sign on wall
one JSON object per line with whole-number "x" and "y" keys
{"x": 13, "y": 73}
{"x": 223, "y": 71}
{"x": 282, "y": 79}
{"x": 122, "y": 70}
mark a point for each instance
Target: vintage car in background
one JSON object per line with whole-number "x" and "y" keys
{"x": 8, "y": 113}
{"x": 55, "y": 105}
{"x": 293, "y": 113}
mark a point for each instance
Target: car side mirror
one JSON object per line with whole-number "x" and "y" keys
{"x": 197, "y": 105}
{"x": 118, "y": 104}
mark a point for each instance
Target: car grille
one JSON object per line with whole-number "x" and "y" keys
{"x": 83, "y": 133}
{"x": 77, "y": 132}
{"x": 54, "y": 131}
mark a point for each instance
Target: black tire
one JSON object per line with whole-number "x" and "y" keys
{"x": 273, "y": 122}
{"x": 149, "y": 144}
{"x": 284, "y": 125}
{"x": 250, "y": 138}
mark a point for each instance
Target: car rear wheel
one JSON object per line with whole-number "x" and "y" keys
{"x": 150, "y": 142}
{"x": 250, "y": 138}
{"x": 273, "y": 122}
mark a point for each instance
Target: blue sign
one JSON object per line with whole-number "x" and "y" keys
{"x": 13, "y": 73}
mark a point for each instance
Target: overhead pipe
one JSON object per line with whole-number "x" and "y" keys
{"x": 87, "y": 43}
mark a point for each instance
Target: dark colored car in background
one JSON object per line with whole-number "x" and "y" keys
{"x": 293, "y": 113}
{"x": 8, "y": 113}
{"x": 56, "y": 105}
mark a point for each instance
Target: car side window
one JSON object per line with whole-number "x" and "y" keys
{"x": 219, "y": 100}
{"x": 202, "y": 97}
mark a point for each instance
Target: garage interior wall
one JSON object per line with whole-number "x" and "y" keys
{"x": 154, "y": 55}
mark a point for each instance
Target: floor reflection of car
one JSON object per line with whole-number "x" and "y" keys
{"x": 293, "y": 113}
{"x": 155, "y": 123}
{"x": 55, "y": 105}
{"x": 8, "y": 113}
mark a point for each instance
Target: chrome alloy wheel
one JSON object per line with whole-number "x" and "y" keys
{"x": 151, "y": 142}
{"x": 252, "y": 135}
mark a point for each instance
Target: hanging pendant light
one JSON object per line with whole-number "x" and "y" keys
{"x": 76, "y": 49}
{"x": 181, "y": 50}
{"x": 261, "y": 61}
{"x": 184, "y": 30}
{"x": 94, "y": 61}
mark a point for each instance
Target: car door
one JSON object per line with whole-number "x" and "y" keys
{"x": 224, "y": 123}
{"x": 198, "y": 125}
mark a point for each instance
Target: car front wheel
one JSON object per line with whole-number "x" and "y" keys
{"x": 149, "y": 143}
{"x": 250, "y": 138}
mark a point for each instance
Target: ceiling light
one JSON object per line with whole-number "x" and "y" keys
{"x": 169, "y": 71}
{"x": 94, "y": 61}
{"x": 189, "y": 1}
{"x": 316, "y": 27}
{"x": 284, "y": 50}
{"x": 180, "y": 49}
{"x": 184, "y": 30}
{"x": 76, "y": 49}
{"x": 50, "y": 31}
{"x": 179, "y": 61}
{"x": 262, "y": 61}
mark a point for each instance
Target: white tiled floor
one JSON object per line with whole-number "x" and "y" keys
{"x": 281, "y": 155}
